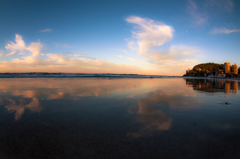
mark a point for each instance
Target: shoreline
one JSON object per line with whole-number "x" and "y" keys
{"x": 78, "y": 75}
{"x": 100, "y": 75}
{"x": 123, "y": 76}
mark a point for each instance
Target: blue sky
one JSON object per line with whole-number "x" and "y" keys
{"x": 144, "y": 37}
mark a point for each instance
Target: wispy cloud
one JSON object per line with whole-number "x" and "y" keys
{"x": 203, "y": 12}
{"x": 75, "y": 54}
{"x": 11, "y": 53}
{"x": 224, "y": 5}
{"x": 229, "y": 5}
{"x": 198, "y": 18}
{"x": 1, "y": 52}
{"x": 173, "y": 55}
{"x": 223, "y": 30}
{"x": 45, "y": 30}
{"x": 132, "y": 45}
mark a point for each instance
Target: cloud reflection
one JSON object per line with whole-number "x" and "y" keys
{"x": 22, "y": 94}
{"x": 151, "y": 95}
{"x": 151, "y": 110}
{"x": 152, "y": 120}
{"x": 19, "y": 106}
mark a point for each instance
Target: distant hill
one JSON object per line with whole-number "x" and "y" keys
{"x": 205, "y": 68}
{"x": 209, "y": 66}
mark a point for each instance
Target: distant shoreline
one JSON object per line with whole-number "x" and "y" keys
{"x": 79, "y": 75}
{"x": 98, "y": 75}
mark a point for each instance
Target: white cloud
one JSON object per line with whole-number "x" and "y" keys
{"x": 132, "y": 45}
{"x": 150, "y": 33}
{"x": 34, "y": 48}
{"x": 46, "y": 30}
{"x": 120, "y": 56}
{"x": 223, "y": 30}
{"x": 11, "y": 53}
{"x": 59, "y": 58}
{"x": 177, "y": 56}
{"x": 61, "y": 63}
{"x": 19, "y": 45}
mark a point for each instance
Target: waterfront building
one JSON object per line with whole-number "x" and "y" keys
{"x": 227, "y": 67}
{"x": 235, "y": 69}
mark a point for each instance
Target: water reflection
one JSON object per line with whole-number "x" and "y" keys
{"x": 152, "y": 119}
{"x": 21, "y": 94}
{"x": 213, "y": 85}
{"x": 151, "y": 95}
{"x": 18, "y": 106}
{"x": 150, "y": 110}
{"x": 69, "y": 118}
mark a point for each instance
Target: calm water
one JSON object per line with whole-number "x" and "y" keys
{"x": 119, "y": 118}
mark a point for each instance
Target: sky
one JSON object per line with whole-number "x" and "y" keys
{"x": 149, "y": 37}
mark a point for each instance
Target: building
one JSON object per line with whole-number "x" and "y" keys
{"x": 235, "y": 69}
{"x": 227, "y": 67}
